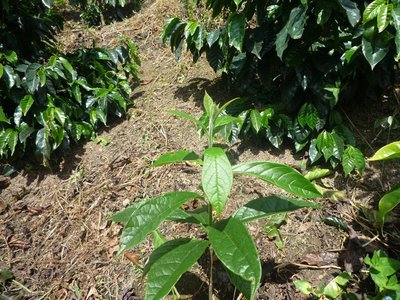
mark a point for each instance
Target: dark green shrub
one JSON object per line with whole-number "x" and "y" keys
{"x": 48, "y": 100}
{"x": 94, "y": 12}
{"x": 304, "y": 57}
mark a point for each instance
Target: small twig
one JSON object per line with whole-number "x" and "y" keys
{"x": 304, "y": 266}
{"x": 22, "y": 286}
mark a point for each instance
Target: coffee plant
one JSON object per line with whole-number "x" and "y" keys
{"x": 48, "y": 99}
{"x": 381, "y": 269}
{"x": 226, "y": 237}
{"x": 392, "y": 198}
{"x": 302, "y": 58}
{"x": 94, "y": 11}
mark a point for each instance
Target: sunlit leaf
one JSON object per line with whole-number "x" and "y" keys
{"x": 167, "y": 264}
{"x": 389, "y": 151}
{"x": 388, "y": 202}
{"x": 280, "y": 175}
{"x": 149, "y": 215}
{"x": 235, "y": 248}
{"x": 267, "y": 206}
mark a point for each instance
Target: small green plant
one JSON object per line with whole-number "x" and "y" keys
{"x": 391, "y": 199}
{"x": 383, "y": 271}
{"x": 226, "y": 237}
{"x": 333, "y": 290}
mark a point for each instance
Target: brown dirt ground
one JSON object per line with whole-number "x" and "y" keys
{"x": 55, "y": 234}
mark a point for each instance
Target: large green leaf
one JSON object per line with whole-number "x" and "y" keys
{"x": 337, "y": 286}
{"x": 236, "y": 29}
{"x": 383, "y": 18}
{"x": 167, "y": 264}
{"x": 42, "y": 143}
{"x": 12, "y": 141}
{"x": 235, "y": 248}
{"x": 388, "y": 202}
{"x": 294, "y": 28}
{"x": 280, "y": 175}
{"x": 389, "y": 151}
{"x": 266, "y": 206}
{"x": 373, "y": 52}
{"x": 149, "y": 215}
{"x": 372, "y": 10}
{"x": 216, "y": 177}
{"x": 352, "y": 11}
{"x": 308, "y": 115}
{"x": 31, "y": 77}
{"x": 326, "y": 144}
{"x": 353, "y": 159}
{"x": 256, "y": 120}
{"x": 67, "y": 65}
{"x": 177, "y": 157}
{"x": 26, "y": 104}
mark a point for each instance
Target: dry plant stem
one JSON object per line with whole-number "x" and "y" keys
{"x": 210, "y": 286}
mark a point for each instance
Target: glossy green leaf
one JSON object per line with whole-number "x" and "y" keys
{"x": 217, "y": 177}
{"x": 225, "y": 120}
{"x": 236, "y": 29}
{"x": 353, "y": 159}
{"x": 31, "y": 77}
{"x": 318, "y": 173}
{"x": 26, "y": 104}
{"x": 60, "y": 115}
{"x": 304, "y": 286}
{"x": 177, "y": 157}
{"x": 372, "y": 10}
{"x": 279, "y": 175}
{"x": 1, "y": 70}
{"x": 256, "y": 120}
{"x": 209, "y": 105}
{"x": 308, "y": 115}
{"x": 337, "y": 286}
{"x": 352, "y": 11}
{"x": 294, "y": 28}
{"x": 374, "y": 53}
{"x": 149, "y": 215}
{"x": 389, "y": 151}
{"x": 42, "y": 143}
{"x": 9, "y": 76}
{"x": 326, "y": 144}
{"x": 384, "y": 15}
{"x": 235, "y": 248}
{"x": 67, "y": 65}
{"x": 124, "y": 215}
{"x": 267, "y": 206}
{"x": 388, "y": 202}
{"x": 12, "y": 141}
{"x": 167, "y": 264}
{"x": 25, "y": 132}
{"x": 3, "y": 117}
{"x": 42, "y": 76}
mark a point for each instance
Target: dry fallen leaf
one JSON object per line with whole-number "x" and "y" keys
{"x": 133, "y": 257}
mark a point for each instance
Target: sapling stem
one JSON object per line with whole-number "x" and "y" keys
{"x": 210, "y": 286}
